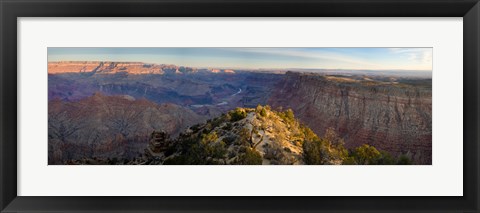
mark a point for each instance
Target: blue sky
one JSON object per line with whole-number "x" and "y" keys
{"x": 253, "y": 58}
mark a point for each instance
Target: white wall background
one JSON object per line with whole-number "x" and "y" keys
{"x": 442, "y": 178}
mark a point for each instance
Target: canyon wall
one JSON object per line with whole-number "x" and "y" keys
{"x": 393, "y": 117}
{"x": 102, "y": 67}
{"x": 110, "y": 126}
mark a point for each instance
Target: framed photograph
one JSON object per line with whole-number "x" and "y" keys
{"x": 319, "y": 106}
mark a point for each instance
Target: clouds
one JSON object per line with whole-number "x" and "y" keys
{"x": 421, "y": 56}
{"x": 348, "y": 58}
{"x": 319, "y": 55}
{"x": 284, "y": 58}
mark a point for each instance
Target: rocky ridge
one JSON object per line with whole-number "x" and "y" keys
{"x": 247, "y": 136}
{"x": 242, "y": 136}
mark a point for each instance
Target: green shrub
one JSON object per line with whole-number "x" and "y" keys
{"x": 404, "y": 160}
{"x": 367, "y": 154}
{"x": 209, "y": 138}
{"x": 237, "y": 114}
{"x": 309, "y": 134}
{"x": 261, "y": 111}
{"x": 349, "y": 161}
{"x": 250, "y": 157}
{"x": 287, "y": 116}
{"x": 323, "y": 151}
{"x": 314, "y": 152}
{"x": 386, "y": 159}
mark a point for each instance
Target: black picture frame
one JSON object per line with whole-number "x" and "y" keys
{"x": 10, "y": 10}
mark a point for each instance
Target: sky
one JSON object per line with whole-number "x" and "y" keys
{"x": 257, "y": 58}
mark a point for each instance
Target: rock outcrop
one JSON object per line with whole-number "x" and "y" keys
{"x": 242, "y": 136}
{"x": 158, "y": 143}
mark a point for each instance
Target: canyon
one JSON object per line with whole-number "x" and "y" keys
{"x": 391, "y": 112}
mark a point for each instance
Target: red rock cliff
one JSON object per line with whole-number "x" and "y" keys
{"x": 394, "y": 118}
{"x": 103, "y": 67}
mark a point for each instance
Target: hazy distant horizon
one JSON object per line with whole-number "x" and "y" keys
{"x": 326, "y": 59}
{"x": 262, "y": 69}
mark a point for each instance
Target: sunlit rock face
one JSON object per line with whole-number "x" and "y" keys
{"x": 396, "y": 117}
{"x": 105, "y": 67}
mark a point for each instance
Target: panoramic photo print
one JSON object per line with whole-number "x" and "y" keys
{"x": 239, "y": 106}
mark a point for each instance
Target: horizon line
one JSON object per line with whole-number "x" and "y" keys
{"x": 272, "y": 68}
